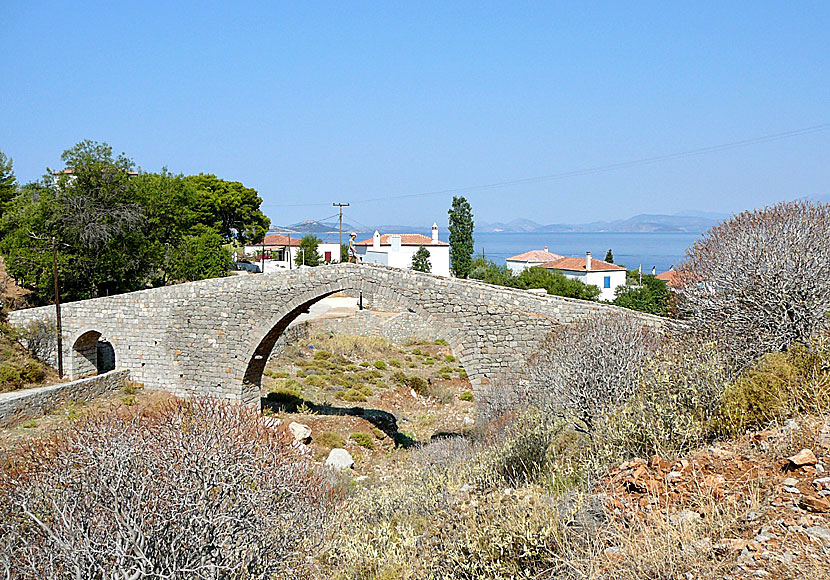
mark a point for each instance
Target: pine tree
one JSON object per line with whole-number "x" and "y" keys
{"x": 609, "y": 256}
{"x": 307, "y": 254}
{"x": 420, "y": 261}
{"x": 461, "y": 236}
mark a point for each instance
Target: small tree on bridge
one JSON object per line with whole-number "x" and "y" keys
{"x": 307, "y": 252}
{"x": 461, "y": 237}
{"x": 420, "y": 261}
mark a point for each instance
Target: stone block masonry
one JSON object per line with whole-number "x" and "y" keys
{"x": 213, "y": 337}
{"x": 32, "y": 403}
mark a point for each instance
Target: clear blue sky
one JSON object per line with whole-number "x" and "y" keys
{"x": 312, "y": 102}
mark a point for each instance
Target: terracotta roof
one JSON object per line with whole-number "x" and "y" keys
{"x": 279, "y": 240}
{"x": 406, "y": 240}
{"x": 536, "y": 256}
{"x": 671, "y": 278}
{"x": 578, "y": 265}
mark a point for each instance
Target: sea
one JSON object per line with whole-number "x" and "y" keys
{"x": 658, "y": 250}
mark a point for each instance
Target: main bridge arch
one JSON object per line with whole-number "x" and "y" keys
{"x": 213, "y": 337}
{"x": 266, "y": 335}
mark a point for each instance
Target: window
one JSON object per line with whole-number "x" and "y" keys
{"x": 607, "y": 282}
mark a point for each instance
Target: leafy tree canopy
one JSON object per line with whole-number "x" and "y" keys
{"x": 461, "y": 228}
{"x": 230, "y": 207}
{"x": 536, "y": 277}
{"x": 609, "y": 256}
{"x": 307, "y": 252}
{"x": 653, "y": 296}
{"x": 420, "y": 260}
{"x": 200, "y": 255}
{"x": 8, "y": 182}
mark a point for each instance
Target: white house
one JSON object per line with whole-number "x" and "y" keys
{"x": 396, "y": 250}
{"x": 517, "y": 264}
{"x": 607, "y": 277}
{"x": 281, "y": 251}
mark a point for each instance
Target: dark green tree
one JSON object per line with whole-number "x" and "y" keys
{"x": 307, "y": 253}
{"x": 609, "y": 256}
{"x": 490, "y": 272}
{"x": 199, "y": 256}
{"x": 420, "y": 260}
{"x": 556, "y": 283}
{"x": 8, "y": 183}
{"x": 230, "y": 208}
{"x": 653, "y": 296}
{"x": 461, "y": 228}
{"x": 344, "y": 252}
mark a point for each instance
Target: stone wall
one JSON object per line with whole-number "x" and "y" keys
{"x": 397, "y": 327}
{"x": 213, "y": 337}
{"x": 33, "y": 403}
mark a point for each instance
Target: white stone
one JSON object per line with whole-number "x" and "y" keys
{"x": 339, "y": 459}
{"x": 300, "y": 431}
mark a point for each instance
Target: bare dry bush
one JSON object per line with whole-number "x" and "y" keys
{"x": 585, "y": 367}
{"x": 761, "y": 280}
{"x": 201, "y": 489}
{"x": 39, "y": 337}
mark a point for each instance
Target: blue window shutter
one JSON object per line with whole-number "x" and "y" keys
{"x": 608, "y": 281}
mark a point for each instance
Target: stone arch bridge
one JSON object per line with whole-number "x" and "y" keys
{"x": 214, "y": 337}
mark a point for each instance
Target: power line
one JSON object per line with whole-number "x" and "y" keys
{"x": 591, "y": 170}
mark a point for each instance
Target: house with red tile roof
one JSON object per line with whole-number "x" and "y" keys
{"x": 397, "y": 250}
{"x": 281, "y": 251}
{"x": 671, "y": 278}
{"x": 588, "y": 270}
{"x": 526, "y": 260}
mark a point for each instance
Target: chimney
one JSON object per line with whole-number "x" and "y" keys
{"x": 587, "y": 261}
{"x": 434, "y": 232}
{"x": 395, "y": 242}
{"x": 546, "y": 248}
{"x": 376, "y": 240}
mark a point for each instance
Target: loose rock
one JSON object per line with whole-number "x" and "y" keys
{"x": 339, "y": 459}
{"x": 802, "y": 458}
{"x": 300, "y": 431}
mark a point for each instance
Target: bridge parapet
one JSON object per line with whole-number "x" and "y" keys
{"x": 214, "y": 336}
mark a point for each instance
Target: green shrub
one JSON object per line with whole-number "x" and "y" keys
{"x": 441, "y": 341}
{"x": 352, "y": 368}
{"x": 330, "y": 440}
{"x": 301, "y": 374}
{"x": 11, "y": 376}
{"x": 462, "y": 374}
{"x": 777, "y": 387}
{"x": 33, "y": 371}
{"x": 281, "y": 375}
{"x": 417, "y": 384}
{"x": 322, "y": 355}
{"x": 29, "y": 424}
{"x": 449, "y": 358}
{"x": 417, "y": 351}
{"x": 399, "y": 378}
{"x": 378, "y": 433}
{"x": 380, "y": 365}
{"x": 395, "y": 363}
{"x": 353, "y": 396}
{"x": 466, "y": 396}
{"x": 315, "y": 381}
{"x": 363, "y": 439}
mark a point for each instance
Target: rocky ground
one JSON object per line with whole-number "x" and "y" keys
{"x": 774, "y": 483}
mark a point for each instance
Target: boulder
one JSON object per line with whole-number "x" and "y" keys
{"x": 802, "y": 458}
{"x": 299, "y": 431}
{"x": 339, "y": 459}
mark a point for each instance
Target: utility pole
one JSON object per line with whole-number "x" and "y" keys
{"x": 341, "y": 206}
{"x": 54, "y": 242}
{"x": 57, "y": 305}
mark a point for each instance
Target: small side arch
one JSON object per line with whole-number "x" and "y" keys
{"x": 91, "y": 355}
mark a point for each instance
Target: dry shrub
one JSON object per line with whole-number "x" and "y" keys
{"x": 761, "y": 280}
{"x": 588, "y": 366}
{"x": 201, "y": 489}
{"x": 40, "y": 338}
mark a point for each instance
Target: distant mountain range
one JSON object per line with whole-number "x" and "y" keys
{"x": 691, "y": 222}
{"x": 687, "y": 221}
